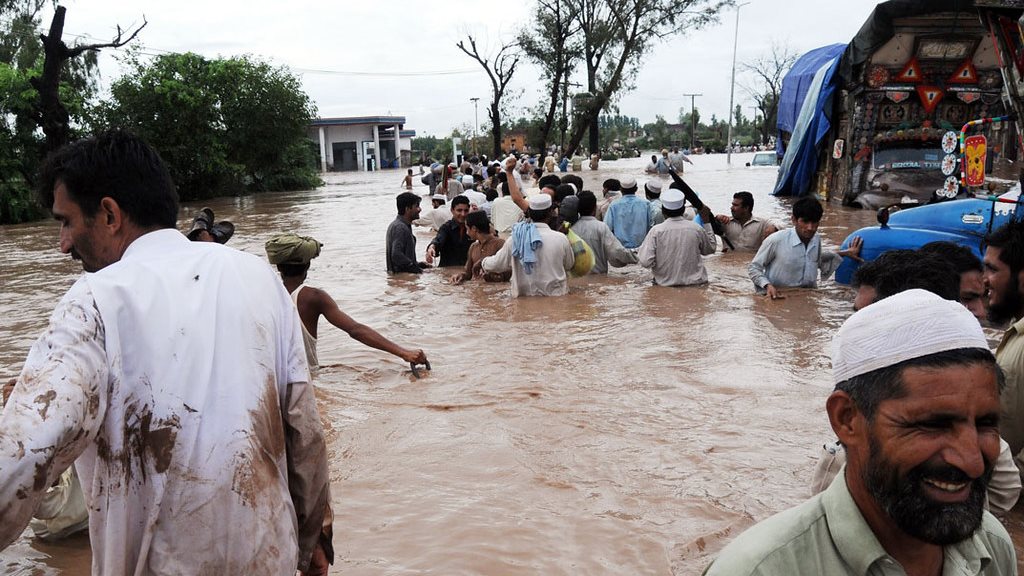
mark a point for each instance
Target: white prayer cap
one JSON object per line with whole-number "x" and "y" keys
{"x": 907, "y": 325}
{"x": 539, "y": 202}
{"x": 627, "y": 182}
{"x": 653, "y": 186}
{"x": 672, "y": 199}
{"x": 467, "y": 180}
{"x": 440, "y": 197}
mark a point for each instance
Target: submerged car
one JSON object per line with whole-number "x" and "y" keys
{"x": 764, "y": 159}
{"x": 965, "y": 222}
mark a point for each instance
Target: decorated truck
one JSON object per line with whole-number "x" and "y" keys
{"x": 881, "y": 120}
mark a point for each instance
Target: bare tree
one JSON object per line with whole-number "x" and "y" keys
{"x": 767, "y": 71}
{"x": 500, "y": 70}
{"x": 51, "y": 114}
{"x": 616, "y": 35}
{"x": 551, "y": 45}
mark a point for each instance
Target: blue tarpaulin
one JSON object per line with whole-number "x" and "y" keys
{"x": 798, "y": 80}
{"x": 804, "y": 109}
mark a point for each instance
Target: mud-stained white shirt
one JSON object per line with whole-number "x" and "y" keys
{"x": 177, "y": 377}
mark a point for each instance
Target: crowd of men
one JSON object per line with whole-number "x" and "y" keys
{"x": 175, "y": 376}
{"x": 657, "y": 231}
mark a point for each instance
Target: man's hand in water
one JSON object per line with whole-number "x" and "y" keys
{"x": 8, "y": 390}
{"x": 430, "y": 254}
{"x": 415, "y": 356}
{"x": 773, "y": 293}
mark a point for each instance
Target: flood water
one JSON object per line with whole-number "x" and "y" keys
{"x": 622, "y": 429}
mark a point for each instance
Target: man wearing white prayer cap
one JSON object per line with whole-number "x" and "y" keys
{"x": 437, "y": 216}
{"x": 652, "y": 190}
{"x": 673, "y": 249}
{"x": 629, "y": 218}
{"x": 538, "y": 256}
{"x": 916, "y": 403}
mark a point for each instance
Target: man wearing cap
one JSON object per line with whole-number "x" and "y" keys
{"x": 438, "y": 215}
{"x": 606, "y": 247}
{"x": 629, "y": 218}
{"x": 916, "y": 404}
{"x": 743, "y": 229}
{"x": 539, "y": 257}
{"x": 400, "y": 244}
{"x": 452, "y": 241}
{"x": 652, "y": 190}
{"x": 673, "y": 249}
{"x": 172, "y": 376}
{"x": 292, "y": 255}
{"x": 664, "y": 165}
{"x": 793, "y": 257}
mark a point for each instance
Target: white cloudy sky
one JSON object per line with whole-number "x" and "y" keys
{"x": 325, "y": 42}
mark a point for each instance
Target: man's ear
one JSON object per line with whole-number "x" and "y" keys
{"x": 110, "y": 214}
{"x": 848, "y": 423}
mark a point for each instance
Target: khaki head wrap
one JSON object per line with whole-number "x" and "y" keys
{"x": 292, "y": 249}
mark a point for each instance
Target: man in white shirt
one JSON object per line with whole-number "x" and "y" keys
{"x": 673, "y": 249}
{"x": 437, "y": 216}
{"x": 175, "y": 373}
{"x": 538, "y": 256}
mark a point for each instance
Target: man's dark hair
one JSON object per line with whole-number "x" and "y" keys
{"x": 871, "y": 389}
{"x": 538, "y": 172}
{"x": 588, "y": 203}
{"x": 563, "y": 191}
{"x": 539, "y": 215}
{"x": 292, "y": 270}
{"x": 406, "y": 200}
{"x": 808, "y": 208}
{"x": 897, "y": 270}
{"x": 573, "y": 179}
{"x": 502, "y": 177}
{"x": 673, "y": 212}
{"x": 549, "y": 180}
{"x": 492, "y": 170}
{"x": 612, "y": 184}
{"x": 746, "y": 199}
{"x": 491, "y": 194}
{"x": 468, "y": 171}
{"x": 478, "y": 219}
{"x": 477, "y": 178}
{"x": 115, "y": 164}
{"x": 460, "y": 199}
{"x": 960, "y": 257}
{"x": 504, "y": 189}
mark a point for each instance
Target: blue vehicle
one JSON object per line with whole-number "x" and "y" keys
{"x": 965, "y": 222}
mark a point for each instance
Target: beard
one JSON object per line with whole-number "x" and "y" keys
{"x": 913, "y": 511}
{"x": 1010, "y": 305}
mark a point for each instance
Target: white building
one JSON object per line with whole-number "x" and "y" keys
{"x": 353, "y": 143}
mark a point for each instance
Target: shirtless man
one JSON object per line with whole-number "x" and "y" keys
{"x": 292, "y": 255}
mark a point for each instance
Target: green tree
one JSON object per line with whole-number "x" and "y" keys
{"x": 551, "y": 43}
{"x": 223, "y": 126}
{"x": 767, "y": 72}
{"x": 615, "y": 36}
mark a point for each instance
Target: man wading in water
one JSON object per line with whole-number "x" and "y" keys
{"x": 174, "y": 373}
{"x": 292, "y": 255}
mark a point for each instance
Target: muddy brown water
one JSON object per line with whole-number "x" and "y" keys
{"x": 622, "y": 429}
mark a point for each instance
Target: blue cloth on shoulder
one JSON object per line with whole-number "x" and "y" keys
{"x": 525, "y": 240}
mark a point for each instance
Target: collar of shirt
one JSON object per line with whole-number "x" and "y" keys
{"x": 1017, "y": 326}
{"x": 858, "y": 544}
{"x": 794, "y": 239}
{"x": 153, "y": 241}
{"x": 753, "y": 220}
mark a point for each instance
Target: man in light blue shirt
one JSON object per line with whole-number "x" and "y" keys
{"x": 792, "y": 257}
{"x": 629, "y": 218}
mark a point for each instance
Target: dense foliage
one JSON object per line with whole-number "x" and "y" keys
{"x": 225, "y": 126}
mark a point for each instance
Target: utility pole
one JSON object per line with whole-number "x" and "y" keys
{"x": 476, "y": 122}
{"x": 693, "y": 119}
{"x": 732, "y": 86}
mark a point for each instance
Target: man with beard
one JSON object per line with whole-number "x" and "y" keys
{"x": 1004, "y": 263}
{"x": 916, "y": 403}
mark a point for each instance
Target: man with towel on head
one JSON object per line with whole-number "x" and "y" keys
{"x": 916, "y": 404}
{"x": 538, "y": 256}
{"x": 292, "y": 254}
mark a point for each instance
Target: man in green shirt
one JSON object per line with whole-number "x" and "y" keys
{"x": 916, "y": 404}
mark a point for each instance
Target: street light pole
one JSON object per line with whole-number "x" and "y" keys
{"x": 693, "y": 119}
{"x": 732, "y": 86}
{"x": 476, "y": 123}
